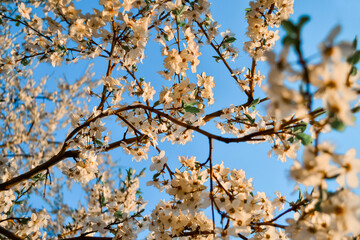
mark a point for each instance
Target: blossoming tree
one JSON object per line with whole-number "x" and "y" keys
{"x": 206, "y": 200}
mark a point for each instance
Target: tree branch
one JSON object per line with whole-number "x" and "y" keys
{"x": 56, "y": 159}
{"x": 211, "y": 184}
{"x": 9, "y": 234}
{"x": 88, "y": 238}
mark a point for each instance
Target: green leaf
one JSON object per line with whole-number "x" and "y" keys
{"x": 288, "y": 41}
{"x": 355, "y": 109}
{"x": 178, "y": 20}
{"x": 353, "y": 71}
{"x": 63, "y": 48}
{"x": 118, "y": 214}
{"x": 127, "y": 48}
{"x": 166, "y": 37}
{"x": 230, "y": 40}
{"x": 338, "y": 125}
{"x": 98, "y": 142}
{"x": 156, "y": 175}
{"x": 301, "y": 128}
{"x": 289, "y": 27}
{"x": 25, "y": 62}
{"x": 300, "y": 196}
{"x": 251, "y": 120}
{"x": 141, "y": 172}
{"x": 217, "y": 58}
{"x": 318, "y": 207}
{"x": 254, "y": 102}
{"x": 138, "y": 214}
{"x": 182, "y": 24}
{"x": 302, "y": 21}
{"x": 98, "y": 180}
{"x": 181, "y": 10}
{"x": 355, "y": 58}
{"x": 304, "y": 138}
{"x": 319, "y": 113}
{"x": 10, "y": 211}
{"x": 19, "y": 202}
{"x": 142, "y": 79}
{"x": 129, "y": 173}
{"x": 190, "y": 104}
{"x": 247, "y": 10}
{"x": 24, "y": 220}
{"x": 354, "y": 43}
{"x": 157, "y": 103}
{"x": 191, "y": 109}
{"x": 102, "y": 200}
{"x": 37, "y": 177}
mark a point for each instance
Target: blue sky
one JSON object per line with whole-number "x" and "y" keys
{"x": 269, "y": 173}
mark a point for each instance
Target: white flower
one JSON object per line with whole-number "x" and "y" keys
{"x": 24, "y": 11}
{"x": 75, "y": 118}
{"x": 6, "y": 200}
{"x": 37, "y": 221}
{"x": 158, "y": 162}
{"x": 98, "y": 224}
{"x": 279, "y": 201}
{"x": 343, "y": 207}
{"x": 149, "y": 91}
{"x": 351, "y": 168}
{"x": 96, "y": 128}
{"x": 172, "y": 61}
{"x": 187, "y": 162}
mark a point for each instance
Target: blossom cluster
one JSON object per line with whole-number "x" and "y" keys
{"x": 260, "y": 16}
{"x": 57, "y": 135}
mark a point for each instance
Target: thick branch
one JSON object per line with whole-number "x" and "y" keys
{"x": 56, "y": 159}
{"x": 9, "y": 234}
{"x": 51, "y": 162}
{"x": 63, "y": 154}
{"x": 88, "y": 238}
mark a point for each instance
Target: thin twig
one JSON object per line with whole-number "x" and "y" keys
{"x": 211, "y": 183}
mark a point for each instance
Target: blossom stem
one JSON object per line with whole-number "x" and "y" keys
{"x": 222, "y": 58}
